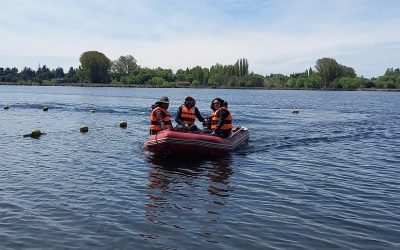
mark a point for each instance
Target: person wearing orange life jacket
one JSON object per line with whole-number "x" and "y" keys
{"x": 187, "y": 114}
{"x": 160, "y": 118}
{"x": 221, "y": 118}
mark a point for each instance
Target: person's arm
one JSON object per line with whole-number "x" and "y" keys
{"x": 198, "y": 115}
{"x": 178, "y": 116}
{"x": 222, "y": 115}
{"x": 160, "y": 118}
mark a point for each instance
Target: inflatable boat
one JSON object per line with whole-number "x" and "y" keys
{"x": 179, "y": 142}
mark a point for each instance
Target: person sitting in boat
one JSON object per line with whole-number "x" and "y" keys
{"x": 187, "y": 114}
{"x": 221, "y": 118}
{"x": 160, "y": 118}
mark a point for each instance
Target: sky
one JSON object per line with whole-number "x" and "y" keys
{"x": 275, "y": 36}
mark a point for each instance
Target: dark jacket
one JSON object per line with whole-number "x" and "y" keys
{"x": 178, "y": 115}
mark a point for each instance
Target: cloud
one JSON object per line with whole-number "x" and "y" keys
{"x": 275, "y": 36}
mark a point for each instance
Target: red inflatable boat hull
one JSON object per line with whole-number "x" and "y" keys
{"x": 195, "y": 143}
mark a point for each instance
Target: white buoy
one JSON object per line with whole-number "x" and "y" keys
{"x": 84, "y": 129}
{"x": 93, "y": 110}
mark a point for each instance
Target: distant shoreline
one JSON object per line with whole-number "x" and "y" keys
{"x": 110, "y": 85}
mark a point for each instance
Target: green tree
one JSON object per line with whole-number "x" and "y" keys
{"x": 276, "y": 80}
{"x": 245, "y": 67}
{"x": 141, "y": 76}
{"x": 123, "y": 66}
{"x": 310, "y": 71}
{"x": 71, "y": 77}
{"x": 59, "y": 73}
{"x": 165, "y": 74}
{"x": 9, "y": 75}
{"x": 314, "y": 81}
{"x": 195, "y": 83}
{"x": 254, "y": 80}
{"x": 27, "y": 74}
{"x": 156, "y": 81}
{"x": 181, "y": 75}
{"x": 347, "y": 72}
{"x": 328, "y": 69}
{"x": 95, "y": 67}
{"x": 350, "y": 82}
{"x": 241, "y": 67}
{"x": 44, "y": 74}
{"x": 197, "y": 73}
{"x": 390, "y": 80}
{"x": 217, "y": 69}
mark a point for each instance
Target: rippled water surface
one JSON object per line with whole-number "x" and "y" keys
{"x": 326, "y": 178}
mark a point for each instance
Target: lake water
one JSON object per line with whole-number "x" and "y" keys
{"x": 326, "y": 178}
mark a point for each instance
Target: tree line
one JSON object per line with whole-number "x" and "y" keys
{"x": 96, "y": 68}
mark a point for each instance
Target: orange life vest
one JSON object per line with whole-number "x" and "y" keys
{"x": 228, "y": 121}
{"x": 155, "y": 125}
{"x": 188, "y": 116}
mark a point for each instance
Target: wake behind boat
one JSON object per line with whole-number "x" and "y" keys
{"x": 179, "y": 142}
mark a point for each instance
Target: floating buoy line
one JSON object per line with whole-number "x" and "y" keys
{"x": 37, "y": 133}
{"x": 46, "y": 108}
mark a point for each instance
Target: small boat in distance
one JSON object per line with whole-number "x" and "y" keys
{"x": 179, "y": 142}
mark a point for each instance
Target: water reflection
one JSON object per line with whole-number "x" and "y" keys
{"x": 189, "y": 188}
{"x": 219, "y": 175}
{"x": 168, "y": 171}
